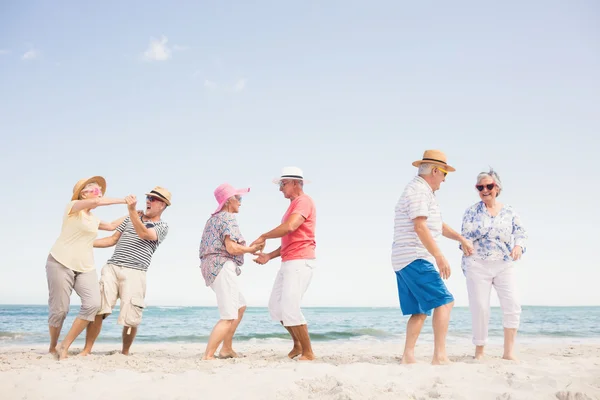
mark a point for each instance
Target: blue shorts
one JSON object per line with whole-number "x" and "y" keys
{"x": 421, "y": 289}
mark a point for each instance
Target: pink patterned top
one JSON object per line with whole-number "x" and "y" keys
{"x": 213, "y": 254}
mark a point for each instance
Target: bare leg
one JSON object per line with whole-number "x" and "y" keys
{"x": 509, "y": 343}
{"x": 301, "y": 333}
{"x": 216, "y": 337}
{"x": 78, "y": 327}
{"x": 93, "y": 330}
{"x": 227, "y": 348}
{"x": 441, "y": 318}
{"x": 413, "y": 329}
{"x": 297, "y": 349}
{"x": 479, "y": 352}
{"x": 54, "y": 335}
{"x": 128, "y": 339}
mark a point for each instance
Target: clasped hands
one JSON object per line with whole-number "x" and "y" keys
{"x": 262, "y": 258}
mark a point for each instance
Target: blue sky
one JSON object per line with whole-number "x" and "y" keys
{"x": 189, "y": 96}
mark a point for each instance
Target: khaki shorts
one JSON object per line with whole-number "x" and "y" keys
{"x": 129, "y": 285}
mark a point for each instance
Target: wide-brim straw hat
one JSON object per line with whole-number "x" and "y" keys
{"x": 224, "y": 192}
{"x": 83, "y": 182}
{"x": 435, "y": 157}
{"x": 160, "y": 193}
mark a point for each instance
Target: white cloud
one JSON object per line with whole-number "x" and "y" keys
{"x": 210, "y": 84}
{"x": 239, "y": 86}
{"x": 31, "y": 55}
{"x": 4, "y": 51}
{"x": 158, "y": 50}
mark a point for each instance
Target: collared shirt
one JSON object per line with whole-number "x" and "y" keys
{"x": 417, "y": 200}
{"x": 213, "y": 253}
{"x": 493, "y": 237}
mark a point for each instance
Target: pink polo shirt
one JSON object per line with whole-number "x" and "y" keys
{"x": 300, "y": 244}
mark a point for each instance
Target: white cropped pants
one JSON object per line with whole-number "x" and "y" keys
{"x": 481, "y": 276}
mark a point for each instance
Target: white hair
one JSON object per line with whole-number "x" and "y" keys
{"x": 426, "y": 168}
{"x": 493, "y": 175}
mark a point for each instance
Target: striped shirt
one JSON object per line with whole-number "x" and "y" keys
{"x": 133, "y": 252}
{"x": 417, "y": 200}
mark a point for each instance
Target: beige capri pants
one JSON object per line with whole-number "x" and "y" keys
{"x": 61, "y": 282}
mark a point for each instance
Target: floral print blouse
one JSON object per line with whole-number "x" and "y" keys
{"x": 213, "y": 254}
{"x": 493, "y": 237}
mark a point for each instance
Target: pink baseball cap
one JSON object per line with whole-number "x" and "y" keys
{"x": 226, "y": 191}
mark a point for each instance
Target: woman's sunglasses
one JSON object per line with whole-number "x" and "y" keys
{"x": 489, "y": 186}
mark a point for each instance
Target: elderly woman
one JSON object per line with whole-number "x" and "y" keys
{"x": 222, "y": 250}
{"x": 499, "y": 240}
{"x": 70, "y": 264}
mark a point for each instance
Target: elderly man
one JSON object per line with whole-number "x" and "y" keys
{"x": 124, "y": 275}
{"x": 417, "y": 226}
{"x": 297, "y": 251}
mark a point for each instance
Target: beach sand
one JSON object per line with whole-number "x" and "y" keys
{"x": 343, "y": 370}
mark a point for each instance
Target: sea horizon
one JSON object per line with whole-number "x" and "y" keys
{"x": 27, "y": 324}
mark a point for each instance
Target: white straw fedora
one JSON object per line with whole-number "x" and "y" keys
{"x": 294, "y": 173}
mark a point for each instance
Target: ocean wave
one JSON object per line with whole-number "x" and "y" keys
{"x": 13, "y": 335}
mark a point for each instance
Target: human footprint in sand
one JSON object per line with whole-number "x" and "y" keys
{"x": 222, "y": 250}
{"x": 417, "y": 226}
{"x": 499, "y": 239}
{"x": 124, "y": 275}
{"x": 297, "y": 251}
{"x": 70, "y": 264}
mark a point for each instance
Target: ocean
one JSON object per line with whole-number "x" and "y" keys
{"x": 27, "y": 325}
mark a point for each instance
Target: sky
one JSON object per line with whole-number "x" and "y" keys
{"x": 189, "y": 96}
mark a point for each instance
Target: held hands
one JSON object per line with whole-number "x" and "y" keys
{"x": 262, "y": 258}
{"x": 443, "y": 267}
{"x": 131, "y": 202}
{"x": 467, "y": 247}
{"x": 516, "y": 253}
{"x": 256, "y": 248}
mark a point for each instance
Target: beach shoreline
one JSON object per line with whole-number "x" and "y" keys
{"x": 343, "y": 370}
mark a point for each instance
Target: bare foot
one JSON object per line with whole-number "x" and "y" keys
{"x": 510, "y": 357}
{"x": 296, "y": 351}
{"x": 228, "y": 354}
{"x": 479, "y": 355}
{"x": 84, "y": 353}
{"x": 125, "y": 352}
{"x": 408, "y": 359}
{"x": 206, "y": 358}
{"x": 62, "y": 352}
{"x": 307, "y": 357}
{"x": 441, "y": 361}
{"x": 52, "y": 350}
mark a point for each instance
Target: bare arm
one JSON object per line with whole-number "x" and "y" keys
{"x": 466, "y": 245}
{"x": 420, "y": 224}
{"x": 108, "y": 241}
{"x": 288, "y": 226}
{"x": 111, "y": 226}
{"x": 140, "y": 228}
{"x": 89, "y": 204}
{"x": 236, "y": 249}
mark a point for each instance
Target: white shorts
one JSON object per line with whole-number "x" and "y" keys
{"x": 291, "y": 283}
{"x": 229, "y": 297}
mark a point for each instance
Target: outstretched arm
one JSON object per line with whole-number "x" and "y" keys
{"x": 89, "y": 204}
{"x": 467, "y": 246}
{"x": 111, "y": 226}
{"x": 108, "y": 241}
{"x": 288, "y": 226}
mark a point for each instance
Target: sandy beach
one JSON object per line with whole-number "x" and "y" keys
{"x": 344, "y": 370}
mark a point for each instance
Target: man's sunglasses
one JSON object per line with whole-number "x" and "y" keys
{"x": 489, "y": 186}
{"x": 153, "y": 199}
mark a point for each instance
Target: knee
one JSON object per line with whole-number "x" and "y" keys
{"x": 242, "y": 309}
{"x": 57, "y": 318}
{"x": 91, "y": 308}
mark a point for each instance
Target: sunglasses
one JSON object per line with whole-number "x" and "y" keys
{"x": 443, "y": 170}
{"x": 152, "y": 199}
{"x": 92, "y": 190}
{"x": 489, "y": 186}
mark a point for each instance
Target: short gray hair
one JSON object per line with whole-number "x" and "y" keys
{"x": 494, "y": 176}
{"x": 425, "y": 168}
